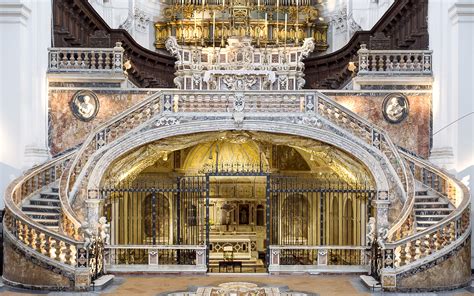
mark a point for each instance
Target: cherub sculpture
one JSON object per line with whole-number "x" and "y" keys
{"x": 103, "y": 229}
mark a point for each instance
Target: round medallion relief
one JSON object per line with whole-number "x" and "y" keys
{"x": 84, "y": 105}
{"x": 395, "y": 108}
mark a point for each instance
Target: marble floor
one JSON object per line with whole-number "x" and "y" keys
{"x": 297, "y": 285}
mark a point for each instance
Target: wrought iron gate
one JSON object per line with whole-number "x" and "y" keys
{"x": 172, "y": 212}
{"x": 307, "y": 212}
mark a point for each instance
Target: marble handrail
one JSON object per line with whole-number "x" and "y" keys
{"x": 104, "y": 133}
{"x": 29, "y": 234}
{"x": 153, "y": 253}
{"x": 375, "y": 62}
{"x": 440, "y": 235}
{"x": 80, "y": 59}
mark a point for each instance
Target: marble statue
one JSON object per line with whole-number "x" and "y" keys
{"x": 370, "y": 236}
{"x": 103, "y": 230}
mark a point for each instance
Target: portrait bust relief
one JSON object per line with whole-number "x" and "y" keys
{"x": 84, "y": 105}
{"x": 395, "y": 108}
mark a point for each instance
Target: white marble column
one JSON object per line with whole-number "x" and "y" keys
{"x": 451, "y": 30}
{"x": 25, "y": 27}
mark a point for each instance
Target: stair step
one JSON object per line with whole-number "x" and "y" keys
{"x": 421, "y": 192}
{"x": 43, "y": 216}
{"x": 41, "y": 208}
{"x": 432, "y": 217}
{"x": 421, "y": 199}
{"x": 431, "y": 205}
{"x": 55, "y": 190}
{"x": 45, "y": 202}
{"x": 50, "y": 195}
{"x": 48, "y": 223}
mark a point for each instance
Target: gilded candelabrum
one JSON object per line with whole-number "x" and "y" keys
{"x": 267, "y": 22}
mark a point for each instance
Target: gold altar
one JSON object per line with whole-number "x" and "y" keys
{"x": 210, "y": 23}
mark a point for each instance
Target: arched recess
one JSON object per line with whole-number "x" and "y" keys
{"x": 361, "y": 152}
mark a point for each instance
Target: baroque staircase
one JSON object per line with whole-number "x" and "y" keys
{"x": 32, "y": 201}
{"x": 44, "y": 208}
{"x": 430, "y": 208}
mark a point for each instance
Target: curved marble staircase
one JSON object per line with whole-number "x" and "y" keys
{"x": 44, "y": 208}
{"x": 430, "y": 208}
{"x": 430, "y": 229}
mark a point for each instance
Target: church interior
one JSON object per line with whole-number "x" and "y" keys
{"x": 236, "y": 147}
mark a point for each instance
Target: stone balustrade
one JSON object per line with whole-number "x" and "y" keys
{"x": 158, "y": 258}
{"x": 439, "y": 237}
{"x": 87, "y": 60}
{"x": 395, "y": 62}
{"x": 317, "y": 256}
{"x": 60, "y": 251}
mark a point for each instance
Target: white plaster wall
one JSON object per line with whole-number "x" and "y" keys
{"x": 345, "y": 15}
{"x": 451, "y": 30}
{"x": 128, "y": 13}
{"x": 25, "y": 30}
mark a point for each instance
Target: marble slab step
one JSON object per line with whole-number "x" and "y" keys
{"x": 370, "y": 282}
{"x": 432, "y": 211}
{"x": 45, "y": 202}
{"x": 440, "y": 204}
{"x": 41, "y": 208}
{"x": 45, "y": 215}
{"x": 47, "y": 222}
{"x": 436, "y": 218}
{"x": 102, "y": 282}
{"x": 421, "y": 192}
{"x": 50, "y": 195}
{"x": 427, "y": 198}
{"x": 426, "y": 223}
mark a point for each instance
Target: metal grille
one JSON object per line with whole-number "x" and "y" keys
{"x": 305, "y": 212}
{"x": 170, "y": 213}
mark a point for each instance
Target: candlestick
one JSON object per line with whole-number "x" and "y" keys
{"x": 202, "y": 22}
{"x": 266, "y": 26}
{"x": 286, "y": 24}
{"x": 195, "y": 25}
{"x": 258, "y": 4}
{"x": 278, "y": 16}
{"x": 213, "y": 28}
{"x": 223, "y": 4}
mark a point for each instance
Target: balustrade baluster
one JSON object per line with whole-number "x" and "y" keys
{"x": 100, "y": 61}
{"x": 107, "y": 61}
{"x": 403, "y": 255}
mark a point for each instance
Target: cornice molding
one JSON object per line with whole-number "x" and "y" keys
{"x": 462, "y": 12}
{"x": 13, "y": 13}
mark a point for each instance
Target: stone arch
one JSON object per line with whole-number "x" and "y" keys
{"x": 351, "y": 147}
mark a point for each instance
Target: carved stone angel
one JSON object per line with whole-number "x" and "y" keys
{"x": 370, "y": 231}
{"x": 103, "y": 229}
{"x": 88, "y": 235}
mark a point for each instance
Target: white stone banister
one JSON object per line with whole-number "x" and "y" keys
{"x": 398, "y": 62}
{"x": 87, "y": 60}
{"x": 439, "y": 236}
{"x": 157, "y": 256}
{"x": 46, "y": 245}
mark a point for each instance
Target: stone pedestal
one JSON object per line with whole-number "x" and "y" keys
{"x": 93, "y": 214}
